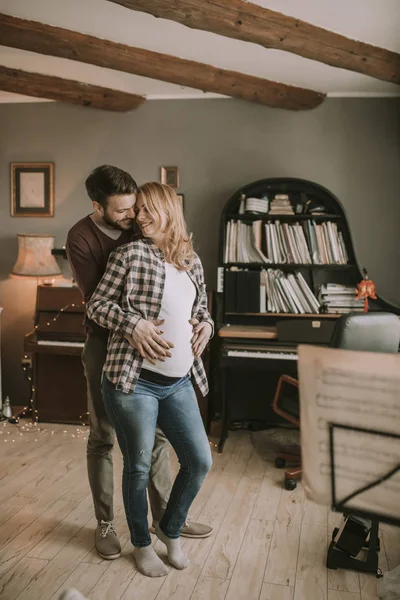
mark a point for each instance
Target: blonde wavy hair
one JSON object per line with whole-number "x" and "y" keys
{"x": 158, "y": 199}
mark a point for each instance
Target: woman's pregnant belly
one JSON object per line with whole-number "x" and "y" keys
{"x": 179, "y": 332}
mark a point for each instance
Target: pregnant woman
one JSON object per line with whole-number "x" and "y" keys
{"x": 156, "y": 277}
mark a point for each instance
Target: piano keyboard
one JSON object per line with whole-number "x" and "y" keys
{"x": 62, "y": 344}
{"x": 261, "y": 354}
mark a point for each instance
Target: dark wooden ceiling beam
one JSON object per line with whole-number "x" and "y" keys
{"x": 63, "y": 43}
{"x": 66, "y": 90}
{"x": 252, "y": 23}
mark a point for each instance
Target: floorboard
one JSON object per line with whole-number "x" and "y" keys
{"x": 268, "y": 543}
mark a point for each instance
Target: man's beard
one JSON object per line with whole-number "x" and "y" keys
{"x": 122, "y": 225}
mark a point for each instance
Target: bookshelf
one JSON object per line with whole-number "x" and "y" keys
{"x": 245, "y": 380}
{"x": 251, "y": 242}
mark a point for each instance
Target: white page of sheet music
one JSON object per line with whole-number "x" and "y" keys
{"x": 360, "y": 389}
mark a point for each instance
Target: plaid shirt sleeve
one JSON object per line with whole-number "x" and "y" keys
{"x": 104, "y": 307}
{"x": 202, "y": 313}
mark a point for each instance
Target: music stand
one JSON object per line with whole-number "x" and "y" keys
{"x": 337, "y": 558}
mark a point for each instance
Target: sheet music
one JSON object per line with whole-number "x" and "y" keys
{"x": 358, "y": 389}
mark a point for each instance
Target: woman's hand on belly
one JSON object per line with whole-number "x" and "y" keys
{"x": 146, "y": 338}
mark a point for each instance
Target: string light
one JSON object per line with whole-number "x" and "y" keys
{"x": 29, "y": 408}
{"x": 82, "y": 418}
{"x": 25, "y": 365}
{"x": 64, "y": 308}
{"x": 26, "y": 430}
{"x": 39, "y": 431}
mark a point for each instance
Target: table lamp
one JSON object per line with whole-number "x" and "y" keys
{"x": 34, "y": 261}
{"x": 35, "y": 258}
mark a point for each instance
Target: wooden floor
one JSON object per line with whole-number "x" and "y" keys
{"x": 268, "y": 544}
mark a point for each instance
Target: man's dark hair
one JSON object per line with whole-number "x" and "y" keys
{"x": 106, "y": 181}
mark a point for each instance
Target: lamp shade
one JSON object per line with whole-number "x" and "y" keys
{"x": 34, "y": 256}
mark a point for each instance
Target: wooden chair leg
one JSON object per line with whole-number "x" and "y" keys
{"x": 293, "y": 473}
{"x": 289, "y": 457}
{"x": 292, "y": 476}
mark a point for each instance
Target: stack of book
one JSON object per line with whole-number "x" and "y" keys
{"x": 337, "y": 298}
{"x": 257, "y": 205}
{"x": 280, "y": 205}
{"x": 253, "y": 291}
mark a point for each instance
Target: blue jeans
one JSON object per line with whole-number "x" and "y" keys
{"x": 135, "y": 417}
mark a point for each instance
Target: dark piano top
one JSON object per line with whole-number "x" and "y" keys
{"x": 58, "y": 318}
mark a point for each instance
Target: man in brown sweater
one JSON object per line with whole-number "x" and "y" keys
{"x": 89, "y": 243}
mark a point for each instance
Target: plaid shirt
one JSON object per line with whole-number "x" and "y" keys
{"x": 132, "y": 289}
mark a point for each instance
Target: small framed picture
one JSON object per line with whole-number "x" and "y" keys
{"x": 181, "y": 198}
{"x": 32, "y": 189}
{"x": 170, "y": 176}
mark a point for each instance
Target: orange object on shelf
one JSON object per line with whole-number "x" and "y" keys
{"x": 366, "y": 289}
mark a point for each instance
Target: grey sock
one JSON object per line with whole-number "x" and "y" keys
{"x": 176, "y": 556}
{"x": 71, "y": 594}
{"x": 148, "y": 562}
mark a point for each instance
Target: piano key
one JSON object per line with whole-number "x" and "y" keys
{"x": 261, "y": 348}
{"x": 264, "y": 355}
{"x": 61, "y": 343}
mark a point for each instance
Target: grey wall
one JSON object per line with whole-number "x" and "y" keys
{"x": 351, "y": 146}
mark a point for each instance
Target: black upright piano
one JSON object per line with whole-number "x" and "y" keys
{"x": 56, "y": 345}
{"x": 255, "y": 346}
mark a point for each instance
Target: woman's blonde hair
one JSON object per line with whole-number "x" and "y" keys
{"x": 158, "y": 199}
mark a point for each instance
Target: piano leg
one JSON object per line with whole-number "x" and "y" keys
{"x": 224, "y": 412}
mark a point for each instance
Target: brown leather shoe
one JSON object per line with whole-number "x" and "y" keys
{"x": 106, "y": 541}
{"x": 190, "y": 529}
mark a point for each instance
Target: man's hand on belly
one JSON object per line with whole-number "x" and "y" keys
{"x": 201, "y": 334}
{"x": 146, "y": 338}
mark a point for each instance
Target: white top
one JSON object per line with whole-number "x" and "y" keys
{"x": 176, "y": 308}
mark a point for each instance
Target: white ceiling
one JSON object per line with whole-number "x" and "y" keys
{"x": 373, "y": 21}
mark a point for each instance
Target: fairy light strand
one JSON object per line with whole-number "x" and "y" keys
{"x": 33, "y": 388}
{"x": 29, "y": 428}
{"x": 33, "y": 411}
{"x": 63, "y": 309}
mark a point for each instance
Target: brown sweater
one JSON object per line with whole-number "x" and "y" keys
{"x": 88, "y": 249}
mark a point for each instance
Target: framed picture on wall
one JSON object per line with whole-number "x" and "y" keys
{"x": 170, "y": 176}
{"x": 181, "y": 198}
{"x": 32, "y": 189}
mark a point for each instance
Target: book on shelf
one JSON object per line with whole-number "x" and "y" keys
{"x": 275, "y": 242}
{"x": 337, "y": 298}
{"x": 280, "y": 205}
{"x": 273, "y": 291}
{"x": 249, "y": 291}
{"x": 257, "y": 205}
